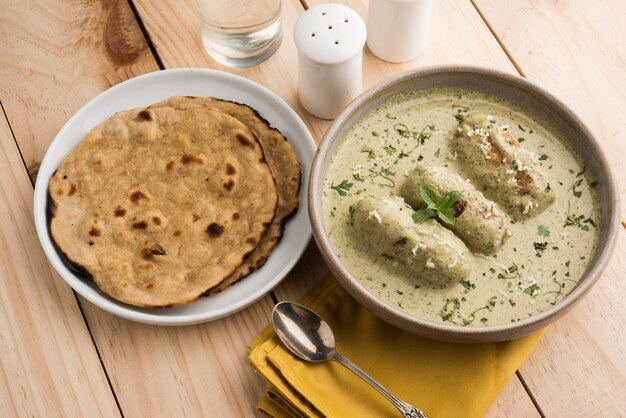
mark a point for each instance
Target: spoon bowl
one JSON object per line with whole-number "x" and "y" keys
{"x": 303, "y": 332}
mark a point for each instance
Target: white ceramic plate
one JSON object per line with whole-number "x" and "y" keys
{"x": 141, "y": 92}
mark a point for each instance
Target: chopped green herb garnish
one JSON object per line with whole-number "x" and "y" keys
{"x": 386, "y": 174}
{"x": 539, "y": 247}
{"x": 449, "y": 308}
{"x": 576, "y": 184}
{"x": 543, "y": 157}
{"x": 441, "y": 207}
{"x": 532, "y": 290}
{"x": 437, "y": 153}
{"x": 402, "y": 130}
{"x": 342, "y": 188}
{"x": 389, "y": 149}
{"x": 352, "y": 212}
{"x": 358, "y": 177}
{"x": 459, "y": 117}
{"x": 543, "y": 231}
{"x": 521, "y": 128}
{"x": 390, "y": 116}
{"x": 521, "y": 139}
{"x": 468, "y": 285}
{"x": 547, "y": 189}
{"x": 579, "y": 220}
{"x": 591, "y": 222}
{"x": 370, "y": 153}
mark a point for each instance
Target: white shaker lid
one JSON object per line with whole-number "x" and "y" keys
{"x": 330, "y": 33}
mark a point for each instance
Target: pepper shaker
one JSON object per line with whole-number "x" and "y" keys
{"x": 397, "y": 30}
{"x": 330, "y": 40}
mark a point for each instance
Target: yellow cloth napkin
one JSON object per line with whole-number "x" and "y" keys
{"x": 442, "y": 379}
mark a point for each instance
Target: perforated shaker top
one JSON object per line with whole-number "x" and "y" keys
{"x": 330, "y": 33}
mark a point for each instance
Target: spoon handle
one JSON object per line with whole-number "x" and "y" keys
{"x": 407, "y": 410}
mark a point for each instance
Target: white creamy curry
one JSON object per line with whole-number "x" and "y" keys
{"x": 457, "y": 207}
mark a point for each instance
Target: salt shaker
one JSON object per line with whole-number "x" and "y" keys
{"x": 397, "y": 30}
{"x": 330, "y": 40}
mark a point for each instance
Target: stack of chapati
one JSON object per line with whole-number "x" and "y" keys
{"x": 162, "y": 205}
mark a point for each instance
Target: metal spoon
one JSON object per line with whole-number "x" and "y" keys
{"x": 309, "y": 337}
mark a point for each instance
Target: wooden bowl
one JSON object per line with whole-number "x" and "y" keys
{"x": 538, "y": 103}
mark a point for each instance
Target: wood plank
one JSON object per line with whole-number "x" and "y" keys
{"x": 55, "y": 55}
{"x": 48, "y": 363}
{"x": 199, "y": 370}
{"x": 513, "y": 402}
{"x": 575, "y": 49}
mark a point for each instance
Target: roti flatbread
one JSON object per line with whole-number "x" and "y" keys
{"x": 160, "y": 205}
{"x": 282, "y": 161}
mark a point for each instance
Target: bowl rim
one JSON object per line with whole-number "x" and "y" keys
{"x": 443, "y": 331}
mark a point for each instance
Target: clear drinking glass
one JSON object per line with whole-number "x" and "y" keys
{"x": 240, "y": 33}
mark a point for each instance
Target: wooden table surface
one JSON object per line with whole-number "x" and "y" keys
{"x": 62, "y": 356}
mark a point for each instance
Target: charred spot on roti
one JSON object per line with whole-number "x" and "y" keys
{"x": 95, "y": 232}
{"x": 60, "y": 192}
{"x": 186, "y": 159}
{"x": 140, "y": 225}
{"x": 236, "y": 215}
{"x": 214, "y": 230}
{"x": 144, "y": 116}
{"x": 244, "y": 140}
{"x": 176, "y": 233}
{"x": 147, "y": 255}
{"x": 72, "y": 190}
{"x": 260, "y": 262}
{"x": 251, "y": 241}
{"x": 119, "y": 212}
{"x": 230, "y": 169}
{"x": 135, "y": 197}
{"x": 229, "y": 185}
{"x": 156, "y": 220}
{"x": 157, "y": 250}
{"x": 169, "y": 166}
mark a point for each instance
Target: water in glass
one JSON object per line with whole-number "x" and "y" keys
{"x": 240, "y": 33}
